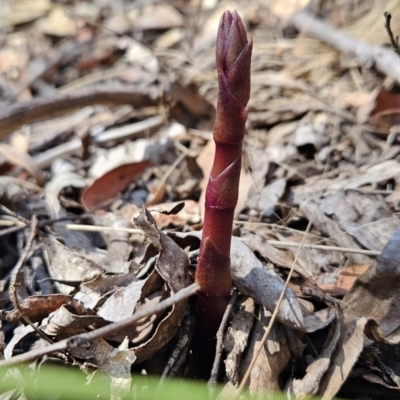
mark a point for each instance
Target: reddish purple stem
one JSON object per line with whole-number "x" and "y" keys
{"x": 233, "y": 56}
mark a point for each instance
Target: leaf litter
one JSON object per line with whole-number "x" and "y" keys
{"x": 321, "y": 150}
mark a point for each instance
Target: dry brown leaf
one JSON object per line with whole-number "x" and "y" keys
{"x": 66, "y": 322}
{"x": 173, "y": 266}
{"x": 369, "y": 308}
{"x": 150, "y": 291}
{"x": 374, "y": 295}
{"x": 38, "y": 307}
{"x": 384, "y": 110}
{"x": 349, "y": 217}
{"x": 259, "y": 242}
{"x": 348, "y": 178}
{"x": 311, "y": 262}
{"x": 119, "y": 247}
{"x": 110, "y": 184}
{"x": 274, "y": 357}
{"x": 52, "y": 191}
{"x": 339, "y": 282}
{"x": 173, "y": 262}
{"x": 165, "y": 331}
{"x": 355, "y": 211}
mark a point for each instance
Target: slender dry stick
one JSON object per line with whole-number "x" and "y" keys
{"x": 36, "y": 109}
{"x": 12, "y": 229}
{"x": 393, "y": 41}
{"x": 220, "y": 337}
{"x": 276, "y": 243}
{"x": 76, "y": 340}
{"x": 14, "y": 279}
{"x": 185, "y": 335}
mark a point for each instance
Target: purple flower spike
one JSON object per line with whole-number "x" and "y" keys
{"x": 233, "y": 56}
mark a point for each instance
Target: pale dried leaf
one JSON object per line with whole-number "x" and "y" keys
{"x": 119, "y": 247}
{"x": 66, "y": 265}
{"x": 354, "y": 212}
{"x": 273, "y": 358}
{"x": 236, "y": 338}
{"x": 19, "y": 333}
{"x": 90, "y": 292}
{"x": 350, "y": 178}
{"x": 117, "y": 368}
{"x": 121, "y": 304}
{"x": 309, "y": 384}
{"x": 344, "y": 360}
{"x": 268, "y": 198}
{"x": 265, "y": 287}
{"x": 52, "y": 190}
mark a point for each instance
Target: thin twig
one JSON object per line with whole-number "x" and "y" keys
{"x": 276, "y": 243}
{"x": 185, "y": 335}
{"x": 393, "y": 41}
{"x": 14, "y": 278}
{"x": 13, "y": 214}
{"x": 220, "y": 338}
{"x": 77, "y": 340}
{"x": 36, "y": 109}
{"x": 12, "y": 229}
{"x": 321, "y": 297}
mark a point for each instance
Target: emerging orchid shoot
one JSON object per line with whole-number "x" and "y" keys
{"x": 233, "y": 56}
